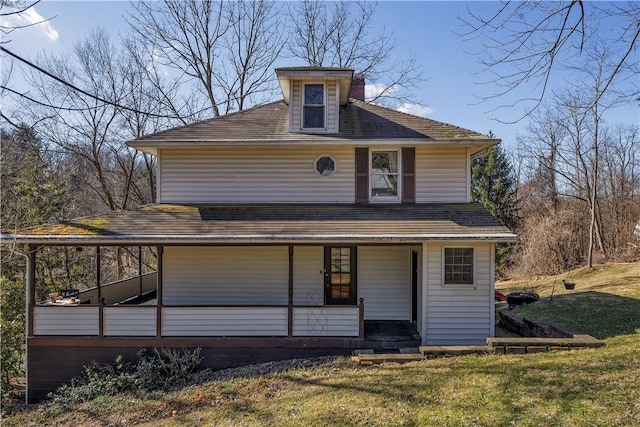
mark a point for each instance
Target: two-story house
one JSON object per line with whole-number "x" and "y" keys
{"x": 317, "y": 224}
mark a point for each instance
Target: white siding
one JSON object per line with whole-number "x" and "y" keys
{"x": 384, "y": 281}
{"x": 226, "y": 275}
{"x": 458, "y": 314}
{"x": 308, "y": 280}
{"x": 326, "y": 321}
{"x": 295, "y": 107}
{"x": 332, "y": 107}
{"x": 255, "y": 175}
{"x": 441, "y": 175}
{"x": 224, "y": 321}
{"x": 66, "y": 321}
{"x": 130, "y": 321}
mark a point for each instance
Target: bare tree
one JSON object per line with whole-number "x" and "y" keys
{"x": 89, "y": 132}
{"x": 226, "y": 49}
{"x": 16, "y": 9}
{"x": 526, "y": 42}
{"x": 338, "y": 34}
{"x": 251, "y": 47}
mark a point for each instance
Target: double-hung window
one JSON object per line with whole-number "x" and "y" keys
{"x": 458, "y": 266}
{"x": 385, "y": 174}
{"x": 313, "y": 110}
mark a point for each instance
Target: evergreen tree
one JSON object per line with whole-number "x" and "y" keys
{"x": 493, "y": 185}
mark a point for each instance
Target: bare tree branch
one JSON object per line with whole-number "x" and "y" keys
{"x": 525, "y": 43}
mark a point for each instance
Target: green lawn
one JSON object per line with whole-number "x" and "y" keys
{"x": 596, "y": 387}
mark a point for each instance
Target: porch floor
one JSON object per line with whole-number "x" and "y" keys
{"x": 390, "y": 330}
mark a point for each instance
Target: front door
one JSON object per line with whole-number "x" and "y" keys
{"x": 340, "y": 275}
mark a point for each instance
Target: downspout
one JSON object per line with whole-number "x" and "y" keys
{"x": 30, "y": 301}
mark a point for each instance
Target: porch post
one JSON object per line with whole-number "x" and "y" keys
{"x": 160, "y": 250}
{"x": 31, "y": 287}
{"x": 290, "y": 302}
{"x": 140, "y": 270}
{"x": 423, "y": 314}
{"x": 361, "y": 319}
{"x": 98, "y": 274}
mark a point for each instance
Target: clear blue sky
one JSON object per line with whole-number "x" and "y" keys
{"x": 426, "y": 29}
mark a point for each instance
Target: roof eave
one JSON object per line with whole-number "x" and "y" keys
{"x": 151, "y": 146}
{"x": 78, "y": 240}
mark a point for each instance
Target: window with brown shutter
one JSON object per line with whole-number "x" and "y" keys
{"x": 362, "y": 175}
{"x": 409, "y": 175}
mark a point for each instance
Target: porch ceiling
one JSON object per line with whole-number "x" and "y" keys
{"x": 234, "y": 224}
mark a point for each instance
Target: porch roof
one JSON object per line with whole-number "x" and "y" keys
{"x": 265, "y": 224}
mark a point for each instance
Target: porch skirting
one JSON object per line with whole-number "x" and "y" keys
{"x": 53, "y": 361}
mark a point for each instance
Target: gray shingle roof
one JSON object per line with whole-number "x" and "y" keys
{"x": 270, "y": 124}
{"x": 181, "y": 224}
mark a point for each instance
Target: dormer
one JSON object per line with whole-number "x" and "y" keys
{"x": 314, "y": 96}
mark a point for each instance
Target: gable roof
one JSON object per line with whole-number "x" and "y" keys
{"x": 342, "y": 76}
{"x": 360, "y": 122}
{"x": 254, "y": 224}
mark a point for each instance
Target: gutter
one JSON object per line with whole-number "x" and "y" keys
{"x": 133, "y": 240}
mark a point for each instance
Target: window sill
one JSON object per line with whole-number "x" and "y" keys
{"x": 459, "y": 285}
{"x": 384, "y": 200}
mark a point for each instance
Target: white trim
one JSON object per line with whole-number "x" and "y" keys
{"x": 158, "y": 178}
{"x": 386, "y": 199}
{"x": 442, "y": 262}
{"x": 468, "y": 173}
{"x": 492, "y": 287}
{"x": 423, "y": 315}
{"x": 335, "y": 165}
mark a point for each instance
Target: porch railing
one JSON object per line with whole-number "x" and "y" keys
{"x": 199, "y": 321}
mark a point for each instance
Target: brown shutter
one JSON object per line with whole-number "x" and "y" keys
{"x": 409, "y": 175}
{"x": 362, "y": 175}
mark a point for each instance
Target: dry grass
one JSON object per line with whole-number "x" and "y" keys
{"x": 621, "y": 279}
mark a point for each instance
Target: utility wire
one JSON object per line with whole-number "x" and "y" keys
{"x": 58, "y": 79}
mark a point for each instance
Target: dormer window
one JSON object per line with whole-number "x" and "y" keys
{"x": 313, "y": 110}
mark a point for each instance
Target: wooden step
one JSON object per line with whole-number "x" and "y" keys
{"x": 453, "y": 350}
{"x": 370, "y": 359}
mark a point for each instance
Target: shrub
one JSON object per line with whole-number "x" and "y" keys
{"x": 98, "y": 380}
{"x": 154, "y": 370}
{"x": 165, "y": 369}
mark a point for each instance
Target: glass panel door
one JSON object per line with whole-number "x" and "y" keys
{"x": 340, "y": 274}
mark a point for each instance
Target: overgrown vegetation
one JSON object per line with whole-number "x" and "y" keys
{"x": 494, "y": 186}
{"x": 154, "y": 370}
{"x": 12, "y": 338}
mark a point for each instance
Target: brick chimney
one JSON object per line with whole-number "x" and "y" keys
{"x": 357, "y": 87}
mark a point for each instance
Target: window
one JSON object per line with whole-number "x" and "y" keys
{"x": 384, "y": 175}
{"x": 325, "y": 165}
{"x": 313, "y": 110}
{"x": 458, "y": 266}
